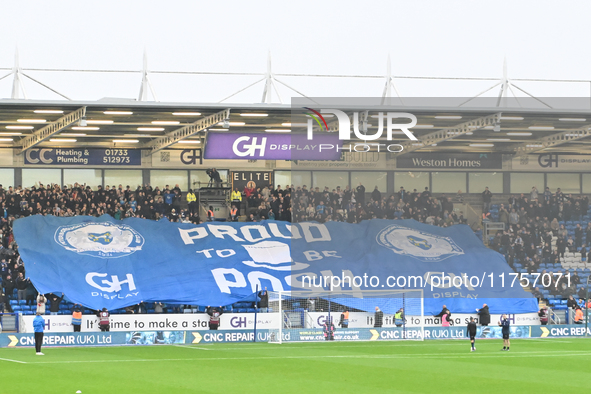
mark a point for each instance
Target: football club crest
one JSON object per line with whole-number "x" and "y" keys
{"x": 418, "y": 244}
{"x": 104, "y": 240}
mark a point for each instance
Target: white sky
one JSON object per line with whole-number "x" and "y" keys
{"x": 540, "y": 39}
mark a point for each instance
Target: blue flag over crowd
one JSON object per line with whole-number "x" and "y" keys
{"x": 102, "y": 262}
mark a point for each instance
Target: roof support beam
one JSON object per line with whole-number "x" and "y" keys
{"x": 450, "y": 133}
{"x": 552, "y": 140}
{"x": 53, "y": 128}
{"x": 177, "y": 135}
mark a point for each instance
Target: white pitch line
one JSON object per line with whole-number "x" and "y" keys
{"x": 14, "y": 361}
{"x": 324, "y": 345}
{"x": 553, "y": 340}
{"x": 191, "y": 347}
{"x": 395, "y": 344}
{"x": 399, "y": 356}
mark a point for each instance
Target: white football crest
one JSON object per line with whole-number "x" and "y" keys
{"x": 104, "y": 240}
{"x": 418, "y": 244}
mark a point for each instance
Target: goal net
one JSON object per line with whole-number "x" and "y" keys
{"x": 347, "y": 315}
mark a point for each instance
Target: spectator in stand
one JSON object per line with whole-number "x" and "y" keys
{"x": 543, "y": 314}
{"x": 41, "y": 302}
{"x": 360, "y": 194}
{"x": 378, "y": 318}
{"x": 376, "y": 196}
{"x": 547, "y": 195}
{"x": 210, "y": 214}
{"x": 168, "y": 199}
{"x": 9, "y": 285}
{"x": 263, "y": 300}
{"x": 54, "y": 303}
{"x": 402, "y": 195}
{"x": 555, "y": 226}
{"x": 533, "y": 195}
{"x": 578, "y": 235}
{"x": 513, "y": 219}
{"x": 571, "y": 302}
{"x": 21, "y": 285}
{"x": 486, "y": 200}
{"x": 249, "y": 190}
{"x": 484, "y": 315}
{"x": 444, "y": 312}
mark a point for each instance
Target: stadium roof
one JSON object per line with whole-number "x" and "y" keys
{"x": 156, "y": 125}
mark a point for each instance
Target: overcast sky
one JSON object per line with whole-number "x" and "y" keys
{"x": 540, "y": 39}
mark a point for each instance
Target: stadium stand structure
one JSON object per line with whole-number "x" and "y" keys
{"x": 535, "y": 244}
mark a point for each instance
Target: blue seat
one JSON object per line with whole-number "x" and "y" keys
{"x": 242, "y": 310}
{"x": 16, "y": 308}
{"x": 13, "y": 302}
{"x": 22, "y": 302}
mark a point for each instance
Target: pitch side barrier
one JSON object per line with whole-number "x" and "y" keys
{"x": 132, "y": 338}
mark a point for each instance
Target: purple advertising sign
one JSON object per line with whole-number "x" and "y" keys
{"x": 254, "y": 146}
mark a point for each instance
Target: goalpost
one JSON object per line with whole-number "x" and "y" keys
{"x": 309, "y": 316}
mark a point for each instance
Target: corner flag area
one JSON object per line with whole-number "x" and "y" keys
{"x": 361, "y": 367}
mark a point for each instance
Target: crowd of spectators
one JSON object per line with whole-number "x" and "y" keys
{"x": 351, "y": 205}
{"x": 536, "y": 236}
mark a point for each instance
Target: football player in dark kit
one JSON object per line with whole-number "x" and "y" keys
{"x": 505, "y": 324}
{"x": 471, "y": 333}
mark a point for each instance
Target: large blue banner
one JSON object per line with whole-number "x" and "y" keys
{"x": 102, "y": 262}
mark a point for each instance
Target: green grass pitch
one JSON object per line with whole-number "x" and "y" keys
{"x": 532, "y": 366}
